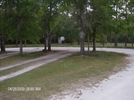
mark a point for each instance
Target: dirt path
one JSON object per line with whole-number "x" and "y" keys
{"x": 32, "y": 60}
{"x": 47, "y": 59}
{"x": 7, "y": 54}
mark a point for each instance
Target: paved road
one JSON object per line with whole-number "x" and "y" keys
{"x": 119, "y": 86}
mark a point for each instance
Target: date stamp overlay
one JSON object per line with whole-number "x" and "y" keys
{"x": 22, "y": 89}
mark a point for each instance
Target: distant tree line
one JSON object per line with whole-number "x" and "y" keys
{"x": 36, "y": 21}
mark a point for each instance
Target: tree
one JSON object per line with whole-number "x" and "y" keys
{"x": 18, "y": 19}
{"x": 100, "y": 16}
{"x": 3, "y": 16}
{"x": 49, "y": 8}
{"x": 25, "y": 21}
{"x": 131, "y": 20}
{"x": 6, "y": 14}
{"x": 79, "y": 7}
{"x": 117, "y": 23}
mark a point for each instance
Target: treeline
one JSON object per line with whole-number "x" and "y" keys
{"x": 76, "y": 20}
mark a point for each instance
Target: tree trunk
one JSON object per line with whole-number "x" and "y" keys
{"x": 21, "y": 47}
{"x": 81, "y": 46}
{"x": 45, "y": 44}
{"x": 103, "y": 43}
{"x": 49, "y": 30}
{"x": 2, "y": 45}
{"x": 115, "y": 41}
{"x": 94, "y": 40}
{"x": 88, "y": 44}
{"x": 2, "y": 41}
{"x": 49, "y": 41}
{"x": 45, "y": 31}
{"x": 3, "y": 31}
{"x": 126, "y": 40}
{"x": 81, "y": 34}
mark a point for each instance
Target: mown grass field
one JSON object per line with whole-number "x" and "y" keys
{"x": 62, "y": 74}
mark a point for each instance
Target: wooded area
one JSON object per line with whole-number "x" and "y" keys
{"x": 76, "y": 20}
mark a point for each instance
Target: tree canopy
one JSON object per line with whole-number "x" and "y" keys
{"x": 32, "y": 20}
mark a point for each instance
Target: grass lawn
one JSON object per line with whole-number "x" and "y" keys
{"x": 61, "y": 75}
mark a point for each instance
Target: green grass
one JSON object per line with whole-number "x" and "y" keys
{"x": 59, "y": 75}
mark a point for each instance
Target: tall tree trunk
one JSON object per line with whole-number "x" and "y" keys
{"x": 81, "y": 34}
{"x": 103, "y": 42}
{"x": 21, "y": 47}
{"x": 3, "y": 31}
{"x": 45, "y": 44}
{"x": 115, "y": 35}
{"x": 49, "y": 41}
{"x": 94, "y": 40}
{"x": 45, "y": 32}
{"x": 88, "y": 44}
{"x": 18, "y": 26}
{"x": 81, "y": 44}
{"x": 2, "y": 42}
{"x": 126, "y": 40}
{"x": 3, "y": 45}
{"x": 115, "y": 41}
{"x": 49, "y": 28}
